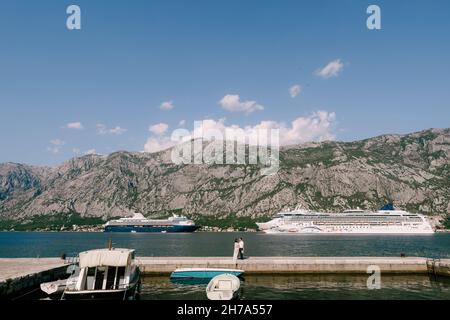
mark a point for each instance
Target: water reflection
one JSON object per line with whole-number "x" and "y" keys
{"x": 336, "y": 286}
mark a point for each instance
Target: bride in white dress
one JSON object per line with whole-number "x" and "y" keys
{"x": 236, "y": 250}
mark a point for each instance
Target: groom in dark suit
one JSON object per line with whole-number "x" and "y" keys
{"x": 241, "y": 248}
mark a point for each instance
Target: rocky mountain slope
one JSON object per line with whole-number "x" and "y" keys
{"x": 411, "y": 170}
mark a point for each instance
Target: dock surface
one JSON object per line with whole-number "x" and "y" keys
{"x": 22, "y": 267}
{"x": 255, "y": 265}
{"x": 18, "y": 276}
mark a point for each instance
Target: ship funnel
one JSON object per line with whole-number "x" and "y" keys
{"x": 388, "y": 207}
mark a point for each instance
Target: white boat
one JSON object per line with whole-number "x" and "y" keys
{"x": 105, "y": 274}
{"x": 223, "y": 287}
{"x": 56, "y": 288}
{"x": 387, "y": 220}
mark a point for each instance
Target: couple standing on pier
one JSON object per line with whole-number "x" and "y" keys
{"x": 238, "y": 249}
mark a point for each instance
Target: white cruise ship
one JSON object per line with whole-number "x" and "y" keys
{"x": 387, "y": 220}
{"x": 138, "y": 223}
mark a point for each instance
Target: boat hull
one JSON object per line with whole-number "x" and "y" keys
{"x": 131, "y": 293}
{"x": 349, "y": 233}
{"x": 152, "y": 229}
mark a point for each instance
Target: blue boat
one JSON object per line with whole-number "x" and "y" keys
{"x": 203, "y": 273}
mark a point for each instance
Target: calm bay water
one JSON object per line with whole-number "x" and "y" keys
{"x": 34, "y": 244}
{"x": 311, "y": 287}
{"x": 53, "y": 244}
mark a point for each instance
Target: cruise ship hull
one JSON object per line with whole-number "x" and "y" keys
{"x": 151, "y": 229}
{"x": 361, "y": 232}
{"x": 349, "y": 222}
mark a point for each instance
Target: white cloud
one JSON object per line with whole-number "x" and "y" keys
{"x": 155, "y": 144}
{"x": 232, "y": 102}
{"x": 57, "y": 142}
{"x": 102, "y": 130}
{"x": 182, "y": 123}
{"x": 76, "y": 151}
{"x": 159, "y": 128}
{"x": 317, "y": 126}
{"x": 74, "y": 125}
{"x": 54, "y": 150}
{"x": 332, "y": 69}
{"x": 117, "y": 130}
{"x": 90, "y": 151}
{"x": 295, "y": 90}
{"x": 167, "y": 105}
{"x": 56, "y": 145}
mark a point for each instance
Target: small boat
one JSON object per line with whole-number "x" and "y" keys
{"x": 56, "y": 288}
{"x": 106, "y": 274}
{"x": 223, "y": 287}
{"x": 203, "y": 273}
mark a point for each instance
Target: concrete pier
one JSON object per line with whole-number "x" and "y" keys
{"x": 292, "y": 265}
{"x": 18, "y": 276}
{"x": 440, "y": 267}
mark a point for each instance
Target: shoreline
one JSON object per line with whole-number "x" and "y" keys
{"x": 224, "y": 231}
{"x": 85, "y": 231}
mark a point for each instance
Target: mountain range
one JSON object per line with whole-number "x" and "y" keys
{"x": 411, "y": 170}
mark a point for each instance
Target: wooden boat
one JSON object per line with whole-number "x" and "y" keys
{"x": 106, "y": 274}
{"x": 56, "y": 288}
{"x": 223, "y": 287}
{"x": 203, "y": 273}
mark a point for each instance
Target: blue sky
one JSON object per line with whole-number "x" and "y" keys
{"x": 132, "y": 56}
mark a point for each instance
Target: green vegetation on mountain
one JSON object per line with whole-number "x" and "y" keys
{"x": 412, "y": 170}
{"x": 53, "y": 222}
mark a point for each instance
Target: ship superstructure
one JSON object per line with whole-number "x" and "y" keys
{"x": 387, "y": 220}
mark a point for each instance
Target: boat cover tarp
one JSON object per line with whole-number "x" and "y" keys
{"x": 105, "y": 257}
